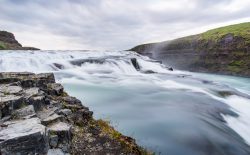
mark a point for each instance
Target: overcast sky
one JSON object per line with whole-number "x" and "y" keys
{"x": 114, "y": 24}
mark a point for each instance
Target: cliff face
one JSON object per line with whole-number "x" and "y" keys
{"x": 38, "y": 117}
{"x": 223, "y": 50}
{"x": 8, "y": 42}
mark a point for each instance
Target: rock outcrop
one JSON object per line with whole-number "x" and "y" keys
{"x": 8, "y": 42}
{"x": 38, "y": 117}
{"x": 224, "y": 50}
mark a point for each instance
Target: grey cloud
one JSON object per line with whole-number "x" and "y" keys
{"x": 110, "y": 24}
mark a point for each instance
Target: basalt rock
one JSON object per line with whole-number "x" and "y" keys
{"x": 38, "y": 117}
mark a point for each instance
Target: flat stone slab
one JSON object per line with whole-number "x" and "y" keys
{"x": 55, "y": 152}
{"x": 6, "y": 89}
{"x": 31, "y": 92}
{"x": 23, "y": 137}
{"x": 25, "y": 112}
{"x": 50, "y": 119}
{"x": 60, "y": 127}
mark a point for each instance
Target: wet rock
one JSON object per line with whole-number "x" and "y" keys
{"x": 58, "y": 66}
{"x": 23, "y": 137}
{"x": 82, "y": 61}
{"x": 170, "y": 69}
{"x": 135, "y": 63}
{"x": 148, "y": 72}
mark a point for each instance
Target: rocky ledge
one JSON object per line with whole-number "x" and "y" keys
{"x": 38, "y": 117}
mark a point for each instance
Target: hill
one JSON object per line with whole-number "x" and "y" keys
{"x": 8, "y": 42}
{"x": 224, "y": 50}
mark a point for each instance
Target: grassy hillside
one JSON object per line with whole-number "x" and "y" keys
{"x": 239, "y": 30}
{"x": 223, "y": 50}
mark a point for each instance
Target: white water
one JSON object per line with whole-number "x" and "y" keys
{"x": 173, "y": 99}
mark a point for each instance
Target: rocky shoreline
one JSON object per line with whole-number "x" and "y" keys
{"x": 38, "y": 117}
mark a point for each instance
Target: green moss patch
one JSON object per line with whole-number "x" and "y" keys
{"x": 2, "y": 46}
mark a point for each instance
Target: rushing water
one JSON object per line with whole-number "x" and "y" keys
{"x": 169, "y": 112}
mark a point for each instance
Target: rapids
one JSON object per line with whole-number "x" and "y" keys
{"x": 169, "y": 112}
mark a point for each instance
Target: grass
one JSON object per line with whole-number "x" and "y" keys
{"x": 241, "y": 30}
{"x": 2, "y": 46}
{"x": 106, "y": 128}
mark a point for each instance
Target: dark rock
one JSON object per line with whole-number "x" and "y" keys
{"x": 82, "y": 61}
{"x": 23, "y": 137}
{"x": 135, "y": 63}
{"x": 55, "y": 89}
{"x": 53, "y": 140}
{"x": 148, "y": 72}
{"x": 25, "y": 112}
{"x": 170, "y": 69}
{"x": 72, "y": 100}
{"x": 65, "y": 112}
{"x": 58, "y": 66}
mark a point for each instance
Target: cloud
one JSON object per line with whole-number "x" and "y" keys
{"x": 113, "y": 24}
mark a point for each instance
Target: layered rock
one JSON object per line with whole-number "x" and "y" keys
{"x": 38, "y": 117}
{"x": 223, "y": 50}
{"x": 8, "y": 42}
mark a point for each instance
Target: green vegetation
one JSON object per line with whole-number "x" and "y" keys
{"x": 240, "y": 30}
{"x": 2, "y": 46}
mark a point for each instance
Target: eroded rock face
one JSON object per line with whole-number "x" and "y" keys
{"x": 38, "y": 117}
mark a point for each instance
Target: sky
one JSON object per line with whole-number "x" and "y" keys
{"x": 114, "y": 24}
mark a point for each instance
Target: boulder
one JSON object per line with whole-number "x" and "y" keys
{"x": 23, "y": 137}
{"x": 135, "y": 63}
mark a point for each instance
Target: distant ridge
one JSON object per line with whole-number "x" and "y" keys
{"x": 8, "y": 42}
{"x": 224, "y": 50}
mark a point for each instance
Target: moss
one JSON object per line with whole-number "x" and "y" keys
{"x": 2, "y": 46}
{"x": 234, "y": 69}
{"x": 237, "y": 63}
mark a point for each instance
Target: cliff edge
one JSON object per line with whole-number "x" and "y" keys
{"x": 224, "y": 50}
{"x": 8, "y": 42}
{"x": 38, "y": 117}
